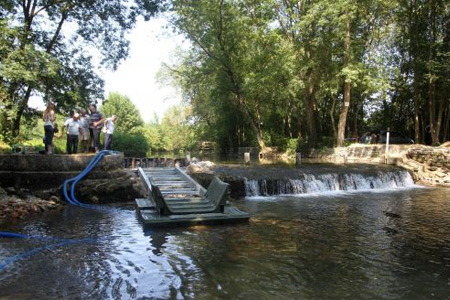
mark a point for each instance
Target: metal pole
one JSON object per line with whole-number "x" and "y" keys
{"x": 386, "y": 154}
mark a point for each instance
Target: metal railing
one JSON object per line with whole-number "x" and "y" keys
{"x": 153, "y": 162}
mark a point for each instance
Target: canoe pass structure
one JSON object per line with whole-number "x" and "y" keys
{"x": 174, "y": 198}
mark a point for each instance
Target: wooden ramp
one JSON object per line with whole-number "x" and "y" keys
{"x": 174, "y": 198}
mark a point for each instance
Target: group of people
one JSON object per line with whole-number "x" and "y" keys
{"x": 81, "y": 128}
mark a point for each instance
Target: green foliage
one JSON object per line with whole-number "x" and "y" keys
{"x": 292, "y": 146}
{"x": 131, "y": 144}
{"x": 36, "y": 58}
{"x": 4, "y": 148}
{"x": 175, "y": 128}
{"x": 271, "y": 71}
{"x": 128, "y": 117}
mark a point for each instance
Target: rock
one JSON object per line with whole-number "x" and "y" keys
{"x": 3, "y": 192}
{"x": 55, "y": 199}
{"x": 200, "y": 167}
{"x": 95, "y": 199}
{"x": 10, "y": 190}
{"x": 120, "y": 186}
{"x": 12, "y": 207}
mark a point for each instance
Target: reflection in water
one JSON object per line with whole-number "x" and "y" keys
{"x": 384, "y": 245}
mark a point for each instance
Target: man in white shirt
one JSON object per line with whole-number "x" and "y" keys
{"x": 73, "y": 131}
{"x": 110, "y": 126}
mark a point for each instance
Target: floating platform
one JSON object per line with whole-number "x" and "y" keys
{"x": 174, "y": 198}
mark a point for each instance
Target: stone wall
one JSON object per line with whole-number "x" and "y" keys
{"x": 428, "y": 165}
{"x": 47, "y": 171}
{"x": 56, "y": 162}
{"x": 357, "y": 153}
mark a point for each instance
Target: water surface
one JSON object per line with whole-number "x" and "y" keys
{"x": 389, "y": 244}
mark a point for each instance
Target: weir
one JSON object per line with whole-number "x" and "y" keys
{"x": 331, "y": 182}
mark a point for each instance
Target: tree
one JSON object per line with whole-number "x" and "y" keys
{"x": 129, "y": 119}
{"x": 175, "y": 128}
{"x": 259, "y": 71}
{"x": 237, "y": 64}
{"x": 46, "y": 50}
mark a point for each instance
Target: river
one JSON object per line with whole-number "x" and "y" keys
{"x": 392, "y": 243}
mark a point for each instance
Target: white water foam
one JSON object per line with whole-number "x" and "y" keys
{"x": 329, "y": 184}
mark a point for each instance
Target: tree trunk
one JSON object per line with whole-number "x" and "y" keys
{"x": 432, "y": 81}
{"x": 299, "y": 123}
{"x": 417, "y": 101}
{"x": 440, "y": 116}
{"x": 432, "y": 113}
{"x": 253, "y": 125}
{"x": 347, "y": 88}
{"x": 446, "y": 122}
{"x": 333, "y": 122}
{"x": 310, "y": 111}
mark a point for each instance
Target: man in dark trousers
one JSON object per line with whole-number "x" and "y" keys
{"x": 95, "y": 126}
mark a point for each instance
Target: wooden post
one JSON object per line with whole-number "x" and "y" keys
{"x": 247, "y": 158}
{"x": 298, "y": 159}
{"x": 188, "y": 157}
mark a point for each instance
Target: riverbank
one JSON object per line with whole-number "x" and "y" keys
{"x": 29, "y": 190}
{"x": 18, "y": 204}
{"x": 32, "y": 184}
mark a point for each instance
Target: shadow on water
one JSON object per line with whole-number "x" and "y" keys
{"x": 392, "y": 244}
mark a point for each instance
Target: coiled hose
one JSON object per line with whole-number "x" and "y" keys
{"x": 70, "y": 197}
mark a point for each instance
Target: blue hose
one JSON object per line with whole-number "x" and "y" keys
{"x": 89, "y": 167}
{"x": 73, "y": 181}
{"x": 13, "y": 235}
{"x": 5, "y": 263}
{"x": 69, "y": 198}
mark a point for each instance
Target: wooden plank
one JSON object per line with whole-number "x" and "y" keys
{"x": 174, "y": 183}
{"x": 186, "y": 200}
{"x": 144, "y": 203}
{"x": 181, "y": 192}
{"x": 153, "y": 219}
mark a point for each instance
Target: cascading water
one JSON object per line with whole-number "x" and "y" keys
{"x": 331, "y": 182}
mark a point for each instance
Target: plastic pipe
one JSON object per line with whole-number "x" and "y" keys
{"x": 73, "y": 181}
{"x": 7, "y": 262}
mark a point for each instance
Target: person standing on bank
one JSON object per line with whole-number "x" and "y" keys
{"x": 49, "y": 121}
{"x": 84, "y": 131}
{"x": 73, "y": 132}
{"x": 110, "y": 124}
{"x": 95, "y": 125}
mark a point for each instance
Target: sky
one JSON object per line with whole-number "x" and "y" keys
{"x": 151, "y": 46}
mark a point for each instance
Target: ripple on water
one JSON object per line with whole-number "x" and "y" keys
{"x": 345, "y": 246}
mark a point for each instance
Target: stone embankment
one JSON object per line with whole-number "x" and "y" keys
{"x": 21, "y": 203}
{"x": 427, "y": 165}
{"x": 33, "y": 183}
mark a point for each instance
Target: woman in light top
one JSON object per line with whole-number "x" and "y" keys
{"x": 49, "y": 121}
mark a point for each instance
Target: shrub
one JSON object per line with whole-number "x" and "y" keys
{"x": 134, "y": 144}
{"x": 4, "y": 148}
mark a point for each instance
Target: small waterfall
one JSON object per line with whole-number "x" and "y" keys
{"x": 310, "y": 183}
